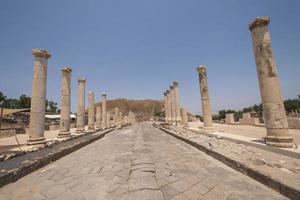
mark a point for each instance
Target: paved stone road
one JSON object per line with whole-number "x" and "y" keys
{"x": 138, "y": 162}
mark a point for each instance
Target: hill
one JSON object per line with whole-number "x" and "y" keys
{"x": 147, "y": 107}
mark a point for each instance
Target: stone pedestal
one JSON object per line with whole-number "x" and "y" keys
{"x": 65, "y": 108}
{"x": 177, "y": 102}
{"x": 104, "y": 114}
{"x": 38, "y": 98}
{"x": 98, "y": 117}
{"x": 229, "y": 119}
{"x": 80, "y": 122}
{"x": 91, "y": 112}
{"x": 273, "y": 108}
{"x": 184, "y": 116}
{"x": 206, "y": 110}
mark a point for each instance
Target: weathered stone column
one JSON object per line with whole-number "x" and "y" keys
{"x": 177, "y": 102}
{"x": 104, "y": 114}
{"x": 65, "y": 108}
{"x": 172, "y": 103}
{"x": 206, "y": 110}
{"x": 98, "y": 117}
{"x": 80, "y": 122}
{"x": 120, "y": 117}
{"x": 108, "y": 120}
{"x": 38, "y": 98}
{"x": 184, "y": 116}
{"x": 273, "y": 108}
{"x": 168, "y": 106}
{"x": 116, "y": 116}
{"x": 91, "y": 112}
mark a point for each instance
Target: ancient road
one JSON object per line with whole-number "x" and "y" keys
{"x": 138, "y": 162}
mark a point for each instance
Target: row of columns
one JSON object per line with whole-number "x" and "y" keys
{"x": 173, "y": 113}
{"x": 100, "y": 119}
{"x": 269, "y": 85}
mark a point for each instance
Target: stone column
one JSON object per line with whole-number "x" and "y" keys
{"x": 166, "y": 106}
{"x": 177, "y": 102}
{"x": 184, "y": 116}
{"x": 104, "y": 114}
{"x": 91, "y": 112}
{"x": 172, "y": 103}
{"x": 116, "y": 116}
{"x": 65, "y": 108}
{"x": 108, "y": 120}
{"x": 273, "y": 108}
{"x": 80, "y": 122}
{"x": 38, "y": 98}
{"x": 206, "y": 110}
{"x": 120, "y": 117}
{"x": 98, "y": 117}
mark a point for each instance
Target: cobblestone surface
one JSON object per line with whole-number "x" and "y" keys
{"x": 138, "y": 162}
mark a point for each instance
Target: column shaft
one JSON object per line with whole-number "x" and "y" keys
{"x": 172, "y": 102}
{"x": 65, "y": 108}
{"x": 80, "y": 122}
{"x": 177, "y": 102}
{"x": 104, "y": 114}
{"x": 184, "y": 116}
{"x": 98, "y": 116}
{"x": 206, "y": 110}
{"x": 91, "y": 112}
{"x": 38, "y": 98}
{"x": 269, "y": 84}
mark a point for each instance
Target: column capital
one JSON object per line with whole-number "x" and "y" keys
{"x": 83, "y": 80}
{"x": 91, "y": 93}
{"x": 175, "y": 83}
{"x": 66, "y": 69}
{"x": 259, "y": 22}
{"x": 167, "y": 91}
{"x": 201, "y": 68}
{"x": 104, "y": 94}
{"x": 40, "y": 53}
{"x": 171, "y": 87}
{"x": 165, "y": 94}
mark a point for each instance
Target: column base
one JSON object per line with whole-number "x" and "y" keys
{"x": 36, "y": 141}
{"x": 208, "y": 128}
{"x": 279, "y": 141}
{"x": 80, "y": 130}
{"x": 63, "y": 134}
{"x": 91, "y": 131}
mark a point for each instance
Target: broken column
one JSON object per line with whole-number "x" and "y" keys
{"x": 65, "y": 108}
{"x": 273, "y": 108}
{"x": 206, "y": 110}
{"x": 104, "y": 114}
{"x": 80, "y": 122}
{"x": 116, "y": 116}
{"x": 38, "y": 98}
{"x": 91, "y": 112}
{"x": 229, "y": 118}
{"x": 184, "y": 116}
{"x": 177, "y": 102}
{"x": 98, "y": 117}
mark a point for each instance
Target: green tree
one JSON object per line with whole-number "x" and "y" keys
{"x": 52, "y": 106}
{"x": 2, "y": 98}
{"x": 24, "y": 101}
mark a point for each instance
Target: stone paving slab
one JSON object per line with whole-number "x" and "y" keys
{"x": 107, "y": 168}
{"x": 267, "y": 167}
{"x": 15, "y": 168}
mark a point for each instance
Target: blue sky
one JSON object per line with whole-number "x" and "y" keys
{"x": 136, "y": 48}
